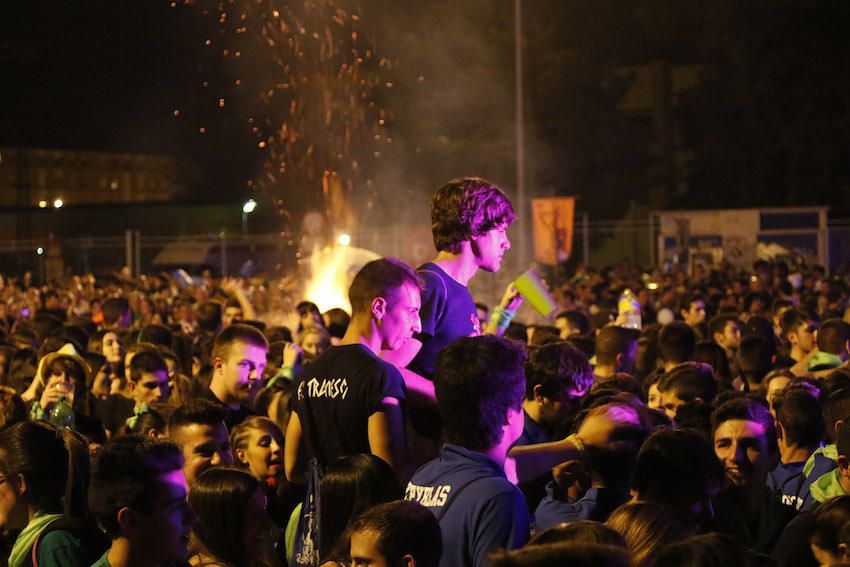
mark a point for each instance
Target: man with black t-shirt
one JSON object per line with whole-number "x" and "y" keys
{"x": 239, "y": 359}
{"x": 349, "y": 400}
{"x": 745, "y": 443}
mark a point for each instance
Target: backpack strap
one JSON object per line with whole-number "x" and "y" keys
{"x": 91, "y": 544}
{"x": 57, "y": 524}
{"x": 33, "y": 556}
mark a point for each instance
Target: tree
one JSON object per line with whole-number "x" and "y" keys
{"x": 768, "y": 124}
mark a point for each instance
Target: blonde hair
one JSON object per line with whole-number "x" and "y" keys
{"x": 241, "y": 433}
{"x": 646, "y": 527}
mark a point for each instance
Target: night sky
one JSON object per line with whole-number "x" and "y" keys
{"x": 108, "y": 75}
{"x": 100, "y": 75}
{"x": 767, "y": 126}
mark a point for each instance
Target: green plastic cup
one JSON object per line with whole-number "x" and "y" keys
{"x": 529, "y": 286}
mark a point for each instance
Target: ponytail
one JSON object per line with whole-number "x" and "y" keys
{"x": 75, "y": 502}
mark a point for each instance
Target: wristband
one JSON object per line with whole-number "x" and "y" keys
{"x": 502, "y": 317}
{"x": 576, "y": 440}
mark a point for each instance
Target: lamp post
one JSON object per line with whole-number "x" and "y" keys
{"x": 521, "y": 207}
{"x": 247, "y": 209}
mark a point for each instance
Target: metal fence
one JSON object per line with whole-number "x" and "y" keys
{"x": 222, "y": 253}
{"x": 595, "y": 242}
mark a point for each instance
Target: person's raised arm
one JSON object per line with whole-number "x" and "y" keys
{"x": 528, "y": 462}
{"x": 596, "y": 431}
{"x": 292, "y": 361}
{"x": 232, "y": 287}
{"x": 502, "y": 315}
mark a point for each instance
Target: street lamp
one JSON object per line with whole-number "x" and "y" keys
{"x": 247, "y": 209}
{"x": 40, "y": 260}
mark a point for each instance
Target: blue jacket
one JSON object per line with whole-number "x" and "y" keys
{"x": 788, "y": 480}
{"x": 596, "y": 504}
{"x": 478, "y": 508}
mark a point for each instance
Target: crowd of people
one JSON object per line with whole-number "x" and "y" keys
{"x": 155, "y": 422}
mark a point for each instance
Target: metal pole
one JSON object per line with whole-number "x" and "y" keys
{"x": 652, "y": 260}
{"x": 521, "y": 208}
{"x": 223, "y": 243}
{"x": 137, "y": 241}
{"x": 823, "y": 241}
{"x": 41, "y": 268}
{"x": 585, "y": 239}
{"x": 128, "y": 248}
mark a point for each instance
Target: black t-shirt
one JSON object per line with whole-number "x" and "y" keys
{"x": 448, "y": 313}
{"x": 337, "y": 394}
{"x": 113, "y": 411}
{"x": 792, "y": 548}
{"x": 232, "y": 417}
{"x": 760, "y": 533}
{"x": 783, "y": 361}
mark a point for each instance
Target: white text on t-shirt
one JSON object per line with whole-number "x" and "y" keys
{"x": 433, "y": 496}
{"x": 324, "y": 388}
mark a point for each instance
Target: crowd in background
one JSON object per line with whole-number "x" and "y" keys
{"x": 156, "y": 409}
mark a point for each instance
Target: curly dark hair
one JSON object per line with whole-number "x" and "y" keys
{"x": 465, "y": 208}
{"x": 556, "y": 367}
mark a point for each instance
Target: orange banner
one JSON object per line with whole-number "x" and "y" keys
{"x": 552, "y": 220}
